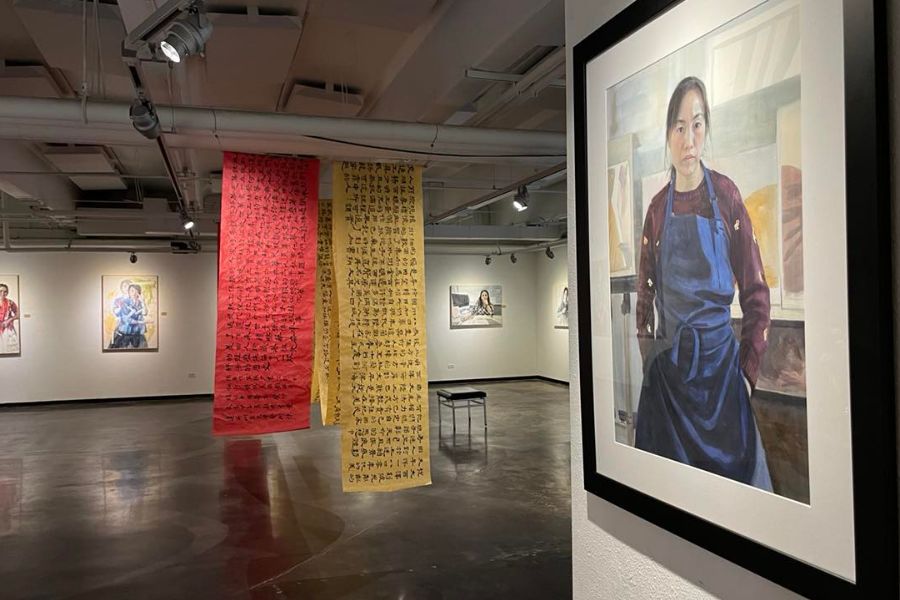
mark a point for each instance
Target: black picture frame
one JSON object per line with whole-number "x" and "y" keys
{"x": 869, "y": 264}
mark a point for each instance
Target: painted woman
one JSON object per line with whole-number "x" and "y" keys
{"x": 697, "y": 244}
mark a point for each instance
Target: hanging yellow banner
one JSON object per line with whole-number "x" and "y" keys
{"x": 324, "y": 274}
{"x": 326, "y": 320}
{"x": 379, "y": 267}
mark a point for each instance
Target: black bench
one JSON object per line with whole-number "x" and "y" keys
{"x": 461, "y": 397}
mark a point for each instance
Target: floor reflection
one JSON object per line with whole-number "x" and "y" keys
{"x": 103, "y": 502}
{"x": 268, "y": 532}
{"x": 11, "y": 480}
{"x": 131, "y": 488}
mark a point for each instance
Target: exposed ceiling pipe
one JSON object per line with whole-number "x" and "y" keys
{"x": 540, "y": 76}
{"x": 98, "y": 245}
{"x": 226, "y": 129}
{"x": 5, "y": 172}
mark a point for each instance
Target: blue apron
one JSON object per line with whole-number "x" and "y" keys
{"x": 695, "y": 406}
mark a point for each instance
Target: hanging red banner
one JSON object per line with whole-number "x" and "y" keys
{"x": 267, "y": 275}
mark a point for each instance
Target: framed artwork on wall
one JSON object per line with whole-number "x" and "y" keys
{"x": 476, "y": 306}
{"x": 10, "y": 316}
{"x": 561, "y": 305}
{"x": 130, "y": 313}
{"x": 734, "y": 271}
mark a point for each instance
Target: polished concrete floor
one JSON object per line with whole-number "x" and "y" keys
{"x": 137, "y": 500}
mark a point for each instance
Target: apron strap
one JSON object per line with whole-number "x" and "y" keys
{"x": 676, "y": 339}
{"x": 695, "y": 349}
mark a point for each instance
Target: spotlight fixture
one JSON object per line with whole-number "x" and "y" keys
{"x": 133, "y": 258}
{"x": 187, "y": 222}
{"x": 144, "y": 119}
{"x": 549, "y": 253}
{"x": 513, "y": 259}
{"x": 487, "y": 260}
{"x": 187, "y": 35}
{"x": 520, "y": 200}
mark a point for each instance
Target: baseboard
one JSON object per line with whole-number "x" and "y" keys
{"x": 209, "y": 397}
{"x": 82, "y": 401}
{"x": 498, "y": 380}
{"x": 551, "y": 380}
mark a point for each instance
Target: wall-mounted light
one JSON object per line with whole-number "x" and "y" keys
{"x": 549, "y": 253}
{"x": 487, "y": 260}
{"x": 133, "y": 258}
{"x": 513, "y": 259}
{"x": 520, "y": 201}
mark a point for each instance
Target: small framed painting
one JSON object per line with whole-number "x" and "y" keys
{"x": 475, "y": 306}
{"x": 10, "y": 316}
{"x": 130, "y": 313}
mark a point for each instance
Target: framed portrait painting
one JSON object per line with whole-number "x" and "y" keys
{"x": 734, "y": 269}
{"x": 10, "y": 316}
{"x": 476, "y": 306}
{"x": 130, "y": 313}
{"x": 560, "y": 305}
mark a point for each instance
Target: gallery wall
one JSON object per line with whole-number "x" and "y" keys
{"x": 507, "y": 351}
{"x": 60, "y": 328}
{"x": 614, "y": 553}
{"x": 552, "y": 342}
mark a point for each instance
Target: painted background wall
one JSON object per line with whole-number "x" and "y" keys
{"x": 507, "y": 351}
{"x": 615, "y": 554}
{"x": 552, "y": 344}
{"x": 61, "y": 350}
{"x": 61, "y": 355}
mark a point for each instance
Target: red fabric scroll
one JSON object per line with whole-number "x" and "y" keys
{"x": 267, "y": 274}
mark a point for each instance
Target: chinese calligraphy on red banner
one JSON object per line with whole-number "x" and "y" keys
{"x": 267, "y": 270}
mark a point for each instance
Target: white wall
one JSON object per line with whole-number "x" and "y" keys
{"x": 61, "y": 349}
{"x": 61, "y": 355}
{"x": 552, "y": 343}
{"x": 615, "y": 554}
{"x": 507, "y": 351}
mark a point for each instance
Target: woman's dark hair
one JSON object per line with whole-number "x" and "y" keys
{"x": 684, "y": 86}
{"x": 480, "y": 301}
{"x": 137, "y": 287}
{"x": 5, "y": 287}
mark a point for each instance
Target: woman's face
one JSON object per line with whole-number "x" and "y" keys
{"x": 485, "y": 297}
{"x": 133, "y": 293}
{"x": 688, "y": 135}
{"x": 3, "y": 292}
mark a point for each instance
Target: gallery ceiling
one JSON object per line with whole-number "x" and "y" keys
{"x": 415, "y": 61}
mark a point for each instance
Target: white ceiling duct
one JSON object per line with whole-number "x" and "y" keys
{"x": 108, "y": 122}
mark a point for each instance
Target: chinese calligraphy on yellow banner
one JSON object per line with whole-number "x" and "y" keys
{"x": 326, "y": 354}
{"x": 379, "y": 268}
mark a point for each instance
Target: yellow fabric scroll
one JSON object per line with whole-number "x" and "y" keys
{"x": 326, "y": 319}
{"x": 380, "y": 272}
